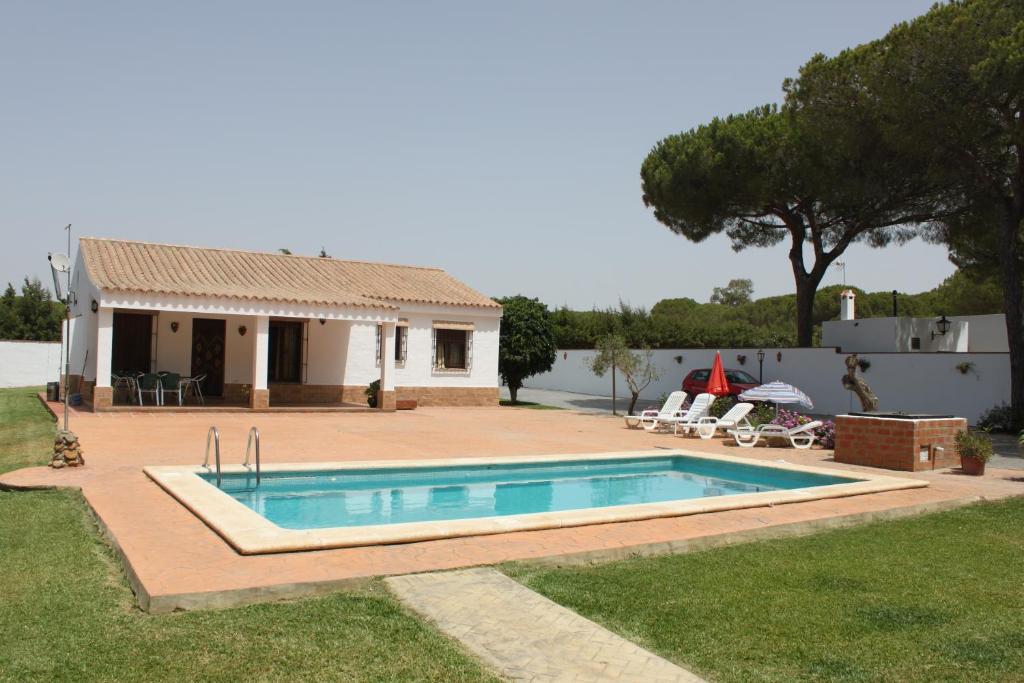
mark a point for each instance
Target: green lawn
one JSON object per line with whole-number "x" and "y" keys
{"x": 937, "y": 598}
{"x": 66, "y": 612}
{"x": 26, "y": 429}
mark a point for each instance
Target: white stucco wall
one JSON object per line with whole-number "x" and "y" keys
{"x": 418, "y": 370}
{"x": 29, "y": 364}
{"x": 986, "y": 333}
{"x": 927, "y": 382}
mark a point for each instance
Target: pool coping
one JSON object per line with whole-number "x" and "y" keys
{"x": 249, "y": 533}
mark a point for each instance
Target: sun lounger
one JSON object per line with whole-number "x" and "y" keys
{"x": 650, "y": 419}
{"x": 698, "y": 409}
{"x": 734, "y": 418}
{"x": 801, "y": 436}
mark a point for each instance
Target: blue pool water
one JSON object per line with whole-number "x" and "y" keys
{"x": 340, "y": 498}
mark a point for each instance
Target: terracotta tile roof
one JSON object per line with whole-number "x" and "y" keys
{"x": 147, "y": 267}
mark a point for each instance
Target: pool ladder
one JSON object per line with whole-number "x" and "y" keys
{"x": 214, "y": 435}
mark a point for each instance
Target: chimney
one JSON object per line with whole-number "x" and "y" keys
{"x": 846, "y": 305}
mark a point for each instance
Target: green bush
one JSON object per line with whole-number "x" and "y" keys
{"x": 998, "y": 419}
{"x": 722, "y": 405}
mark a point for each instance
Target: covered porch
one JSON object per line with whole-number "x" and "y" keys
{"x": 195, "y": 354}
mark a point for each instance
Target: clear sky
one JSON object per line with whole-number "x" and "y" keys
{"x": 501, "y": 141}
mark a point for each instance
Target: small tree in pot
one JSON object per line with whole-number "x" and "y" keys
{"x": 975, "y": 449}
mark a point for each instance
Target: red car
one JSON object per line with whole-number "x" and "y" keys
{"x": 697, "y": 381}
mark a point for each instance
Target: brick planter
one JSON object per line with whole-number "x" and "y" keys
{"x": 910, "y": 445}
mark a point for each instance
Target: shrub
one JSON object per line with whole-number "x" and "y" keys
{"x": 974, "y": 444}
{"x": 998, "y": 419}
{"x": 763, "y": 413}
{"x": 826, "y": 433}
{"x": 722, "y": 405}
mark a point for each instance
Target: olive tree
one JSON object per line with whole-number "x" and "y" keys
{"x": 638, "y": 369}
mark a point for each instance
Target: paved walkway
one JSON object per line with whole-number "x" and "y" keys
{"x": 525, "y": 636}
{"x": 584, "y": 403}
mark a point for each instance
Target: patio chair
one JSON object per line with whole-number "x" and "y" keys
{"x": 194, "y": 385}
{"x": 149, "y": 383}
{"x": 170, "y": 383}
{"x": 801, "y": 436}
{"x": 648, "y": 419}
{"x": 698, "y": 409}
{"x": 734, "y": 418}
{"x": 123, "y": 380}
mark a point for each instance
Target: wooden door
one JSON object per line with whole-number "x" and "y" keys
{"x": 208, "y": 337}
{"x": 131, "y": 342}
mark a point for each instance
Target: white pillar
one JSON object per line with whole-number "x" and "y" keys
{"x": 386, "y": 400}
{"x": 260, "y": 396}
{"x": 104, "y": 344}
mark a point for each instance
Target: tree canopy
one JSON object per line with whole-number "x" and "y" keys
{"x": 737, "y": 292}
{"x": 765, "y": 322}
{"x": 32, "y": 316}
{"x": 527, "y": 342}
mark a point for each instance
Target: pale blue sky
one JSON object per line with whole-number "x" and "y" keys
{"x": 501, "y": 141}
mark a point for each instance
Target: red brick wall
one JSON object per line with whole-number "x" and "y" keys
{"x": 896, "y": 444}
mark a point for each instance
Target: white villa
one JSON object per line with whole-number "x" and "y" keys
{"x": 266, "y": 329}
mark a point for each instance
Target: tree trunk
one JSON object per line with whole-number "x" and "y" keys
{"x": 513, "y": 391}
{"x": 634, "y": 397}
{"x": 806, "y": 288}
{"x": 1013, "y": 298}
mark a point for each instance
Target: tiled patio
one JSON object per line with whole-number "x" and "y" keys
{"x": 175, "y": 561}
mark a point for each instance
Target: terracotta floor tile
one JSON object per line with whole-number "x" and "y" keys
{"x": 173, "y": 553}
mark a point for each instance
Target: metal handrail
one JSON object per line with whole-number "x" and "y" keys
{"x": 215, "y": 433}
{"x": 253, "y": 433}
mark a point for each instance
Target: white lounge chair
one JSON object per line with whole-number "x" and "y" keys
{"x": 801, "y": 436}
{"x": 649, "y": 419}
{"x": 698, "y": 409}
{"x": 734, "y": 418}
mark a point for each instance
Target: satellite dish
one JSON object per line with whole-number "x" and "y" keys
{"x": 60, "y": 263}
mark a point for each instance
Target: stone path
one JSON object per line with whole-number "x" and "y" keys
{"x": 525, "y": 636}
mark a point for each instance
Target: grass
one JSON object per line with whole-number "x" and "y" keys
{"x": 66, "y": 612}
{"x": 26, "y": 429}
{"x": 937, "y": 597}
{"x": 527, "y": 404}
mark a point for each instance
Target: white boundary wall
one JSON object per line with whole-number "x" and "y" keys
{"x": 27, "y": 364}
{"x": 923, "y": 382}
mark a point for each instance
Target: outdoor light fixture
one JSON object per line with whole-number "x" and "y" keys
{"x": 242, "y": 329}
{"x": 174, "y": 326}
{"x": 760, "y": 366}
{"x": 778, "y": 356}
{"x": 94, "y": 306}
{"x": 323, "y": 321}
{"x": 942, "y": 325}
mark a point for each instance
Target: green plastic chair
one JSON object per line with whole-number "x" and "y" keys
{"x": 170, "y": 383}
{"x": 149, "y": 383}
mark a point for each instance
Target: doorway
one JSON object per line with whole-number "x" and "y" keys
{"x": 208, "y": 340}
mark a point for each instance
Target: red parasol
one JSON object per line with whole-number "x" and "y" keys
{"x": 717, "y": 383}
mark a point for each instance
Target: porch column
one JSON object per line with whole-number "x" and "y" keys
{"x": 259, "y": 396}
{"x": 102, "y": 394}
{"x": 386, "y": 397}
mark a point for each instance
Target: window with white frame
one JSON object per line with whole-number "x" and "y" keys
{"x": 401, "y": 342}
{"x": 453, "y": 346}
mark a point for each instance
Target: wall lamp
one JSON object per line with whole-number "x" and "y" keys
{"x": 174, "y": 326}
{"x": 942, "y": 325}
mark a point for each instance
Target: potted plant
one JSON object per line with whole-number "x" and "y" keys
{"x": 371, "y": 393}
{"x": 975, "y": 449}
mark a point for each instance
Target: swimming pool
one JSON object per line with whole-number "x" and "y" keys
{"x": 324, "y": 505}
{"x": 345, "y": 498}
